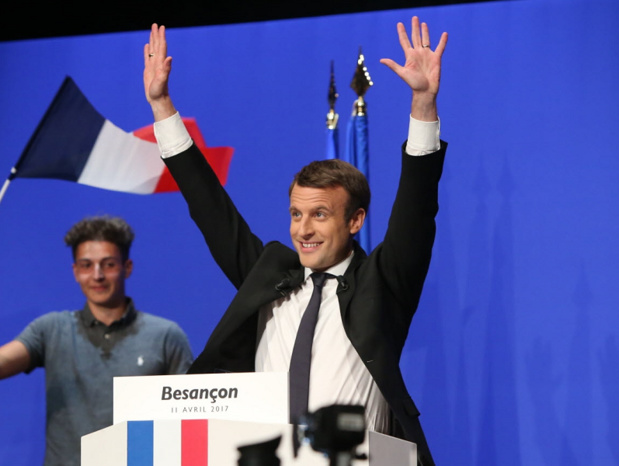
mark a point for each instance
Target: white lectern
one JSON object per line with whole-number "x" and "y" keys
{"x": 201, "y": 420}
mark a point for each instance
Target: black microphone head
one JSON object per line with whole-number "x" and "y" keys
{"x": 283, "y": 287}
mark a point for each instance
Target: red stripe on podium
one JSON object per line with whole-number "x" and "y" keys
{"x": 194, "y": 442}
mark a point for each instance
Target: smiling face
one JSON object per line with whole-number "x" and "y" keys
{"x": 320, "y": 232}
{"x": 100, "y": 271}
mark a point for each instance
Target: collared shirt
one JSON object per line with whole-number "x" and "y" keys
{"x": 337, "y": 373}
{"x": 106, "y": 336}
{"x": 81, "y": 362}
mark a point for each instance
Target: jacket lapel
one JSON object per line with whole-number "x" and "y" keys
{"x": 346, "y": 287}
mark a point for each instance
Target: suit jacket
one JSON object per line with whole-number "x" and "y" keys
{"x": 378, "y": 294}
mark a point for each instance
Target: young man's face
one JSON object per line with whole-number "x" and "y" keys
{"x": 318, "y": 226}
{"x": 101, "y": 273}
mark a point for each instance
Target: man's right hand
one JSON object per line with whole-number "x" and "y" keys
{"x": 421, "y": 69}
{"x": 157, "y": 67}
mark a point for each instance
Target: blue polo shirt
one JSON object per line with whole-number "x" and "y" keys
{"x": 81, "y": 356}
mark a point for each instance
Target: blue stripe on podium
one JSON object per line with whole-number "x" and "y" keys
{"x": 140, "y": 443}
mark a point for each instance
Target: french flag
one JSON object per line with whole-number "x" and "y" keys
{"x": 176, "y": 443}
{"x": 74, "y": 142}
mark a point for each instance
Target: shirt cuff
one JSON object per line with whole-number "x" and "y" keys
{"x": 172, "y": 136}
{"x": 424, "y": 137}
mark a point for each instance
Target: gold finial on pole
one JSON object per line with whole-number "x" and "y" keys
{"x": 332, "y": 117}
{"x": 361, "y": 82}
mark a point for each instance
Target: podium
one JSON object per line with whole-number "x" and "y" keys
{"x": 202, "y": 420}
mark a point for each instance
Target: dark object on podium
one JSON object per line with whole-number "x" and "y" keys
{"x": 260, "y": 454}
{"x": 335, "y": 430}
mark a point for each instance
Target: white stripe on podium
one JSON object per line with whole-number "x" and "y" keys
{"x": 167, "y": 443}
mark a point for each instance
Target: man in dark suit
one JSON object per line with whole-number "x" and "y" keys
{"x": 366, "y": 310}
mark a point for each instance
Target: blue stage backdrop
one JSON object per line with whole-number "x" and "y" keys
{"x": 512, "y": 357}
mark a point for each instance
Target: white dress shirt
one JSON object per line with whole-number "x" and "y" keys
{"x": 337, "y": 373}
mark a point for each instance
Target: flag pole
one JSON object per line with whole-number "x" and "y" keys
{"x": 7, "y": 182}
{"x": 360, "y": 83}
{"x": 333, "y": 151}
{"x": 358, "y": 144}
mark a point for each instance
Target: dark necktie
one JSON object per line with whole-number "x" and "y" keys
{"x": 302, "y": 351}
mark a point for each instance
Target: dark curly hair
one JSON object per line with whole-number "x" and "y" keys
{"x": 101, "y": 228}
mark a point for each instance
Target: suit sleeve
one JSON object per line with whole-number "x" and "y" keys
{"x": 405, "y": 254}
{"x": 233, "y": 246}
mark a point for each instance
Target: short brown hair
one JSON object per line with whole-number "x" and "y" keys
{"x": 101, "y": 228}
{"x": 334, "y": 172}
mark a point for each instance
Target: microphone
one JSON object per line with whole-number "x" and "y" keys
{"x": 343, "y": 284}
{"x": 283, "y": 287}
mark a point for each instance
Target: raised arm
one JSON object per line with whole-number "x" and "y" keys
{"x": 233, "y": 246}
{"x": 421, "y": 69}
{"x": 14, "y": 359}
{"x": 157, "y": 68}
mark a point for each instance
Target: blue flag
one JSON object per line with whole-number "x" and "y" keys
{"x": 357, "y": 154}
{"x": 333, "y": 150}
